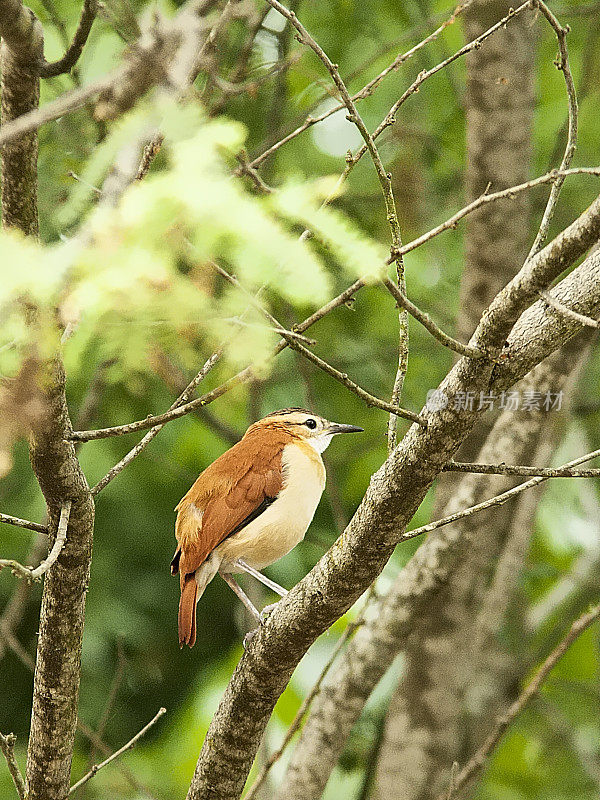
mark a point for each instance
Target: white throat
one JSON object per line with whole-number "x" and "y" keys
{"x": 321, "y": 442}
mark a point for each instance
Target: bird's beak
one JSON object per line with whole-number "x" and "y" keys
{"x": 336, "y": 427}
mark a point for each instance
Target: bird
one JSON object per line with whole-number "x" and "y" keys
{"x": 250, "y": 507}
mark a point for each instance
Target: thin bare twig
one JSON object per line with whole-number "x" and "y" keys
{"x": 175, "y": 379}
{"x": 562, "y": 63}
{"x": 485, "y": 198}
{"x": 7, "y": 745}
{"x": 17, "y": 569}
{"x": 385, "y": 181}
{"x": 23, "y": 523}
{"x": 342, "y": 377}
{"x": 46, "y": 563}
{"x": 241, "y": 377}
{"x": 246, "y": 169}
{"x": 145, "y": 441}
{"x": 429, "y": 324}
{"x": 365, "y": 92}
{"x": 91, "y": 186}
{"x": 73, "y": 52}
{"x": 275, "y": 328}
{"x": 59, "y": 542}
{"x": 401, "y": 369}
{"x": 384, "y": 178}
{"x": 505, "y": 719}
{"x": 585, "y": 86}
{"x": 370, "y": 400}
{"x": 342, "y": 299}
{"x": 161, "y": 419}
{"x": 514, "y": 469}
{"x": 390, "y": 117}
{"x": 92, "y": 737}
{"x": 568, "y": 312}
{"x": 498, "y": 500}
{"x": 130, "y": 745}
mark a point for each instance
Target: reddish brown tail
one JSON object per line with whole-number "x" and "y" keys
{"x": 187, "y": 611}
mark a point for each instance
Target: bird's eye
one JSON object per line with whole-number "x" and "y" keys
{"x": 311, "y": 423}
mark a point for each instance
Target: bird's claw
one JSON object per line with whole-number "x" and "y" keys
{"x": 262, "y": 618}
{"x": 264, "y": 614}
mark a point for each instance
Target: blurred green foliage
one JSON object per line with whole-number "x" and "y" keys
{"x": 552, "y": 750}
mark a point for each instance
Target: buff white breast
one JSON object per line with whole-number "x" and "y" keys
{"x": 283, "y": 524}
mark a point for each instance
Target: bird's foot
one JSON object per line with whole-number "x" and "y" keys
{"x": 262, "y": 618}
{"x": 264, "y": 614}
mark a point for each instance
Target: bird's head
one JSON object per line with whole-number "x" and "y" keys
{"x": 300, "y": 423}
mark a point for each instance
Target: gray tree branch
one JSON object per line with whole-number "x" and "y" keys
{"x": 21, "y": 50}
{"x": 440, "y": 709}
{"x": 414, "y": 605}
{"x": 7, "y": 745}
{"x": 23, "y": 523}
{"x": 75, "y": 49}
{"x": 358, "y": 556}
{"x": 57, "y": 673}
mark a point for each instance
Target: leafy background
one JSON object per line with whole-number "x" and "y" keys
{"x": 553, "y": 750}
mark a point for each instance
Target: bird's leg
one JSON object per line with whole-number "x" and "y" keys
{"x": 260, "y": 577}
{"x": 233, "y": 584}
